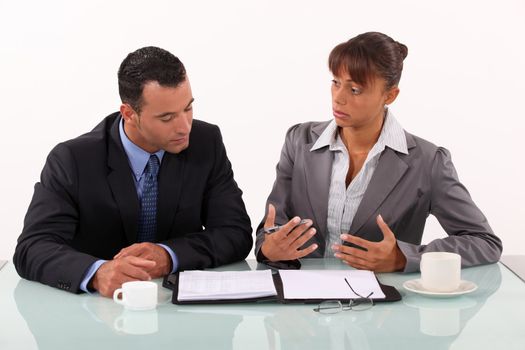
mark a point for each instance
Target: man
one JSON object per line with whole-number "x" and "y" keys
{"x": 149, "y": 191}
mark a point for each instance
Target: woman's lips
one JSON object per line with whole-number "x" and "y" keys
{"x": 339, "y": 114}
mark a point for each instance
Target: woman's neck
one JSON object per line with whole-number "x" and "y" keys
{"x": 361, "y": 140}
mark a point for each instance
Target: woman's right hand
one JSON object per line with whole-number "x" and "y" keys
{"x": 286, "y": 243}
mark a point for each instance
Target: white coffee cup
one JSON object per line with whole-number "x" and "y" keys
{"x": 133, "y": 322}
{"x": 440, "y": 271}
{"x": 137, "y": 295}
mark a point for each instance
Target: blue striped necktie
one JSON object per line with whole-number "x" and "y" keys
{"x": 148, "y": 204}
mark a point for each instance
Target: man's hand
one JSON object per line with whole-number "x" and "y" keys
{"x": 384, "y": 256}
{"x": 149, "y": 251}
{"x": 113, "y": 273}
{"x": 285, "y": 244}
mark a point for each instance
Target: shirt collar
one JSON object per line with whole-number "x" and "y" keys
{"x": 327, "y": 138}
{"x": 138, "y": 158}
{"x": 392, "y": 136}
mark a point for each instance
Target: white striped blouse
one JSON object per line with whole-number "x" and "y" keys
{"x": 343, "y": 201}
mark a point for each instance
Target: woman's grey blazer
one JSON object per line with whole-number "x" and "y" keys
{"x": 404, "y": 189}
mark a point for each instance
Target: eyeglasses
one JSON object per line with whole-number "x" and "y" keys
{"x": 334, "y": 306}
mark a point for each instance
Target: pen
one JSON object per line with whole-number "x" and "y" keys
{"x": 278, "y": 227}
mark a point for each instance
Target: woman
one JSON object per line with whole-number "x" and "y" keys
{"x": 363, "y": 184}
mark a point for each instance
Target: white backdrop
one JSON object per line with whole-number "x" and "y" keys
{"x": 256, "y": 68}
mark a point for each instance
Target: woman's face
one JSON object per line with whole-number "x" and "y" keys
{"x": 359, "y": 107}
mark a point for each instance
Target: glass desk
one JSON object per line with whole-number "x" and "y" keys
{"x": 34, "y": 316}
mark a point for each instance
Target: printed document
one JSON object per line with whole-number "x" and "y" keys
{"x": 225, "y": 285}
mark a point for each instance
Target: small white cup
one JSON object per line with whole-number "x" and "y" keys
{"x": 137, "y": 295}
{"x": 440, "y": 271}
{"x": 132, "y": 322}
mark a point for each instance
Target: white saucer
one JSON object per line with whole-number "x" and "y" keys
{"x": 415, "y": 286}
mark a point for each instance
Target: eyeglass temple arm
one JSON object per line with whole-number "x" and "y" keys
{"x": 353, "y": 291}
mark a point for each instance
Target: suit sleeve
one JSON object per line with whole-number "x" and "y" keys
{"x": 469, "y": 232}
{"x": 227, "y": 236}
{"x": 281, "y": 191}
{"x": 44, "y": 252}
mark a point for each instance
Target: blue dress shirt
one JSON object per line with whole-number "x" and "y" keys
{"x": 138, "y": 159}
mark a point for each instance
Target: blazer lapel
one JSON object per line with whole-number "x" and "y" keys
{"x": 318, "y": 168}
{"x": 170, "y": 188}
{"x": 317, "y": 171}
{"x": 121, "y": 183}
{"x": 390, "y": 169}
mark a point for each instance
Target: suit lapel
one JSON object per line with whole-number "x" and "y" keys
{"x": 318, "y": 170}
{"x": 121, "y": 183}
{"x": 390, "y": 169}
{"x": 318, "y": 167}
{"x": 170, "y": 188}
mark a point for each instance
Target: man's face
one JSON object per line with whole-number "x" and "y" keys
{"x": 165, "y": 119}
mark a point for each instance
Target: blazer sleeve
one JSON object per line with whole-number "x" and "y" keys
{"x": 280, "y": 195}
{"x": 469, "y": 232}
{"x": 227, "y": 234}
{"x": 44, "y": 252}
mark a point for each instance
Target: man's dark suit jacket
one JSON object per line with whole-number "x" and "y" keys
{"x": 86, "y": 208}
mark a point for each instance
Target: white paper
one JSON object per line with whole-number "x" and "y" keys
{"x": 225, "y": 285}
{"x": 329, "y": 284}
{"x": 2, "y": 263}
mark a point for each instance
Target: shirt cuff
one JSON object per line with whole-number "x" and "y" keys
{"x": 89, "y": 275}
{"x": 174, "y": 260}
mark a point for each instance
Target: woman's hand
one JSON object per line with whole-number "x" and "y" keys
{"x": 286, "y": 243}
{"x": 384, "y": 256}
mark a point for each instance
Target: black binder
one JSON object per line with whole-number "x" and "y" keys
{"x": 172, "y": 282}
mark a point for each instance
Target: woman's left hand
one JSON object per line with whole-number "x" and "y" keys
{"x": 384, "y": 256}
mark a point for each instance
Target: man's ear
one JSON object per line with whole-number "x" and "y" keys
{"x": 127, "y": 112}
{"x": 391, "y": 95}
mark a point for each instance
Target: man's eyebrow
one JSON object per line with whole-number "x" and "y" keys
{"x": 168, "y": 113}
{"x": 163, "y": 114}
{"x": 191, "y": 101}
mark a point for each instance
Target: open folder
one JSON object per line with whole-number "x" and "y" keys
{"x": 284, "y": 286}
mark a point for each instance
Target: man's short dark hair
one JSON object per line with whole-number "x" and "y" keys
{"x": 143, "y": 66}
